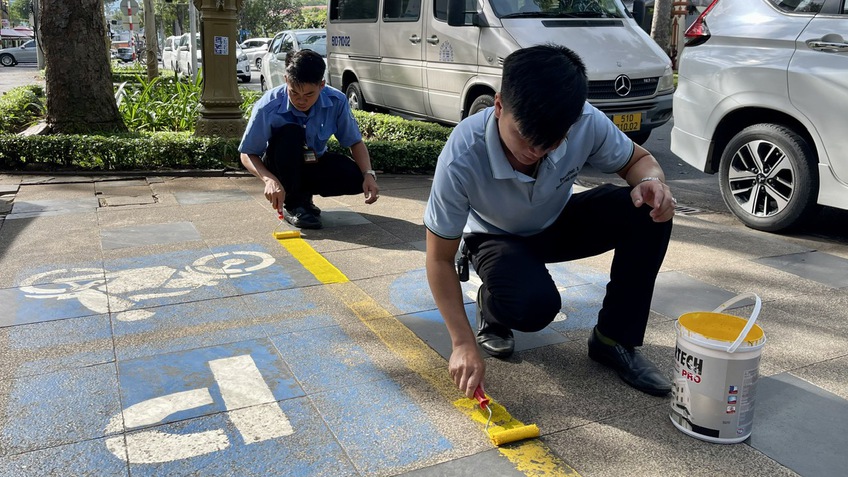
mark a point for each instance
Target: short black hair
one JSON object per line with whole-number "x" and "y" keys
{"x": 544, "y": 87}
{"x": 305, "y": 67}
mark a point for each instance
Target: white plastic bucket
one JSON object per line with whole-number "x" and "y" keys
{"x": 716, "y": 368}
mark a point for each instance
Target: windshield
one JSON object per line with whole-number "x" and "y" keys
{"x": 313, "y": 41}
{"x": 558, "y": 8}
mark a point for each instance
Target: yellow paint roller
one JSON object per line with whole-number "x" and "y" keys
{"x": 284, "y": 234}
{"x": 513, "y": 434}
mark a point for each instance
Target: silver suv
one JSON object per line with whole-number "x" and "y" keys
{"x": 762, "y": 99}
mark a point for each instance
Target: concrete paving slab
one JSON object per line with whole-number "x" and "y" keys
{"x": 676, "y": 293}
{"x": 9, "y": 188}
{"x": 151, "y": 234}
{"x": 58, "y": 408}
{"x": 87, "y": 458}
{"x": 788, "y": 407}
{"x": 24, "y": 209}
{"x": 45, "y": 347}
{"x": 210, "y": 197}
{"x": 50, "y": 234}
{"x": 817, "y": 266}
{"x": 645, "y": 443}
{"x": 57, "y": 300}
{"x": 339, "y": 238}
{"x": 827, "y": 309}
{"x": 246, "y": 449}
{"x": 127, "y": 216}
{"x": 70, "y": 189}
{"x": 826, "y": 375}
{"x": 105, "y": 186}
{"x": 183, "y": 326}
{"x": 356, "y": 265}
{"x": 493, "y": 461}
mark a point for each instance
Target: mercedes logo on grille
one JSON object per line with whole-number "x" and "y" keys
{"x": 622, "y": 85}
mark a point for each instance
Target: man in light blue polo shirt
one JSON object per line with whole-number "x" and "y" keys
{"x": 503, "y": 183}
{"x": 285, "y": 143}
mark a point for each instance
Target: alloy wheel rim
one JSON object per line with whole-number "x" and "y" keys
{"x": 761, "y": 178}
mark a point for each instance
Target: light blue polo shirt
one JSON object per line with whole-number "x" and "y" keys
{"x": 475, "y": 189}
{"x": 328, "y": 116}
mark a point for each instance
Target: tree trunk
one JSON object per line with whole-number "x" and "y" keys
{"x": 79, "y": 77}
{"x": 151, "y": 42}
{"x": 661, "y": 26}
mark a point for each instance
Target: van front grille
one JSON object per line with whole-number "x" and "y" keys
{"x": 639, "y": 88}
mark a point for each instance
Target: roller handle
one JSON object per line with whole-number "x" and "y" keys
{"x": 480, "y": 396}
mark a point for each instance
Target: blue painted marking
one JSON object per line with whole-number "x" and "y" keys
{"x": 273, "y": 277}
{"x": 58, "y": 408}
{"x": 81, "y": 458}
{"x": 581, "y": 305}
{"x": 161, "y": 375}
{"x": 310, "y": 451}
{"x": 325, "y": 359}
{"x": 379, "y": 426}
{"x": 63, "y": 341}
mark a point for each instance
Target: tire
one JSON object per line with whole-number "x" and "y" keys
{"x": 263, "y": 86}
{"x": 355, "y": 98}
{"x": 480, "y": 103}
{"x": 244, "y": 79}
{"x": 768, "y": 178}
{"x": 640, "y": 137}
{"x": 7, "y": 60}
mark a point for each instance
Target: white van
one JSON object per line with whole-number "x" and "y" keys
{"x": 441, "y": 59}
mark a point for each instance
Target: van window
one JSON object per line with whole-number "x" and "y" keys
{"x": 353, "y": 9}
{"x": 560, "y": 9}
{"x": 401, "y": 10}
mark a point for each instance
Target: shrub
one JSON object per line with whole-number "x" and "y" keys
{"x": 20, "y": 107}
{"x": 160, "y": 105}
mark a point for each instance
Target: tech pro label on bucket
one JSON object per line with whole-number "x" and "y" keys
{"x": 716, "y": 367}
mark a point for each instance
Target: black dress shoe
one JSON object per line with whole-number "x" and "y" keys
{"x": 635, "y": 369}
{"x": 312, "y": 208}
{"x": 495, "y": 339}
{"x": 300, "y": 217}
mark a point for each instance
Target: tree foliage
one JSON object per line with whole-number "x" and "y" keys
{"x": 264, "y": 18}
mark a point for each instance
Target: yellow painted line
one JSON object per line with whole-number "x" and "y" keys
{"x": 531, "y": 457}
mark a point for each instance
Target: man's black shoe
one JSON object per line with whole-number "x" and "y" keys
{"x": 635, "y": 369}
{"x": 300, "y": 217}
{"x": 496, "y": 340}
{"x": 312, "y": 208}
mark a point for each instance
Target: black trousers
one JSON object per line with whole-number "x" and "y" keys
{"x": 518, "y": 290}
{"x": 332, "y": 175}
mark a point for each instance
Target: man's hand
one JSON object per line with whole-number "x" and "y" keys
{"x": 371, "y": 189}
{"x": 275, "y": 193}
{"x": 467, "y": 368}
{"x": 657, "y": 195}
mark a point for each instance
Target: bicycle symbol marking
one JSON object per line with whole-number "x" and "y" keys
{"x": 124, "y": 292}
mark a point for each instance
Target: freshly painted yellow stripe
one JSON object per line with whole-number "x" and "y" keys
{"x": 313, "y": 261}
{"x": 531, "y": 457}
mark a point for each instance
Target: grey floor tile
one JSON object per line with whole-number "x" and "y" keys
{"x": 801, "y": 426}
{"x": 676, "y": 293}
{"x": 86, "y": 458}
{"x": 152, "y": 234}
{"x": 493, "y": 461}
{"x": 208, "y": 197}
{"x": 817, "y": 266}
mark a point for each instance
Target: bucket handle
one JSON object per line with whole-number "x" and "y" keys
{"x": 758, "y": 304}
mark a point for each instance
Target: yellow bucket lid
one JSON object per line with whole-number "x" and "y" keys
{"x": 719, "y": 327}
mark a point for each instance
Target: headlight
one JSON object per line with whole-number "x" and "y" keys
{"x": 667, "y": 80}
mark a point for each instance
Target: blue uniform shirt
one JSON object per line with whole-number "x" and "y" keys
{"x": 475, "y": 189}
{"x": 328, "y": 116}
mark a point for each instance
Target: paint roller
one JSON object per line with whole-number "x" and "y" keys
{"x": 506, "y": 436}
{"x": 284, "y": 234}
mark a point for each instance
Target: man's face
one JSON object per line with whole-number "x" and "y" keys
{"x": 514, "y": 143}
{"x": 304, "y": 95}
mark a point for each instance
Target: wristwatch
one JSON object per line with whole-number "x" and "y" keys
{"x": 370, "y": 172}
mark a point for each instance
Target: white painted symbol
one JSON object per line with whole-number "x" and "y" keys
{"x": 250, "y": 406}
{"x": 126, "y": 289}
{"x": 474, "y": 280}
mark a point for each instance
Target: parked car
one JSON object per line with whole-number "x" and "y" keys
{"x": 169, "y": 52}
{"x": 25, "y": 53}
{"x": 272, "y": 73}
{"x": 126, "y": 54}
{"x": 183, "y": 59}
{"x": 761, "y": 100}
{"x": 242, "y": 65}
{"x": 255, "y": 49}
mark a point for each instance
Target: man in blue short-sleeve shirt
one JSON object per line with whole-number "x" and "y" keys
{"x": 503, "y": 189}
{"x": 285, "y": 143}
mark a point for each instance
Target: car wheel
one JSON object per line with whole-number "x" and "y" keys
{"x": 262, "y": 85}
{"x": 640, "y": 137}
{"x": 480, "y": 103}
{"x": 7, "y": 60}
{"x": 245, "y": 78}
{"x": 354, "y": 97}
{"x": 768, "y": 178}
{"x": 258, "y": 64}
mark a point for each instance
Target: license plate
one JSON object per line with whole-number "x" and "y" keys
{"x": 628, "y": 122}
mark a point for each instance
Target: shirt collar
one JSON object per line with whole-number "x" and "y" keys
{"x": 501, "y": 169}
{"x": 288, "y": 107}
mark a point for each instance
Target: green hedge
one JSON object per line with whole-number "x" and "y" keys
{"x": 20, "y": 107}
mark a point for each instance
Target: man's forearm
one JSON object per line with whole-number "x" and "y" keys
{"x": 254, "y": 165}
{"x": 360, "y": 156}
